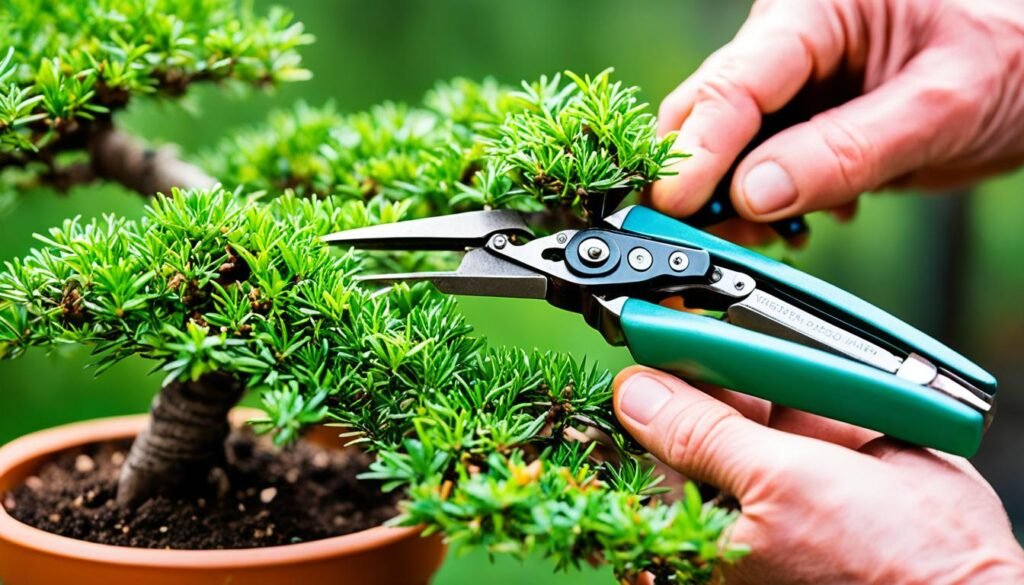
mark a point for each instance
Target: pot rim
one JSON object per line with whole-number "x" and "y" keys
{"x": 48, "y": 442}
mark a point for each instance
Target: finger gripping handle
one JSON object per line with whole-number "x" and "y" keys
{"x": 720, "y": 208}
{"x": 709, "y": 350}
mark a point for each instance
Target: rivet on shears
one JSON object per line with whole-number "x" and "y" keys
{"x": 594, "y": 251}
{"x": 678, "y": 261}
{"x": 640, "y": 259}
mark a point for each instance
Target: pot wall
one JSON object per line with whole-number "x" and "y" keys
{"x": 29, "y": 556}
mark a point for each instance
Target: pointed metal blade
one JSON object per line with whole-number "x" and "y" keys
{"x": 480, "y": 274}
{"x": 445, "y": 232}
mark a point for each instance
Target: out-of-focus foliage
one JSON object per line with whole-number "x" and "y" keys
{"x": 66, "y": 64}
{"x": 479, "y": 436}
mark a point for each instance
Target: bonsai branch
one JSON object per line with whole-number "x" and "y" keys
{"x": 119, "y": 157}
{"x": 183, "y": 440}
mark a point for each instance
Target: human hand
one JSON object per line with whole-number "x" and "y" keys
{"x": 823, "y": 501}
{"x": 926, "y": 93}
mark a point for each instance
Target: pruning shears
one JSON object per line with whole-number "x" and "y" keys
{"x": 766, "y": 328}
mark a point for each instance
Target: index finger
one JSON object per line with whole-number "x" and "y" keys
{"x": 718, "y": 110}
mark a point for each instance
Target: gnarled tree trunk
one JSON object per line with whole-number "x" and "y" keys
{"x": 182, "y": 442}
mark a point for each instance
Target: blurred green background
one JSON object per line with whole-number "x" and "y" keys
{"x": 952, "y": 267}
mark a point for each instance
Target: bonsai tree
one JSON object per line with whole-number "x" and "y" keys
{"x": 224, "y": 283}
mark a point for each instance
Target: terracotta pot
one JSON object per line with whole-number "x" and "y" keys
{"x": 29, "y": 556}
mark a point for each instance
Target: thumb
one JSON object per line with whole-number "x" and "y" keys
{"x": 699, "y": 436}
{"x": 859, "y": 146}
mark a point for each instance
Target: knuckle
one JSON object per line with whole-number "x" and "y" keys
{"x": 952, "y": 102}
{"x": 949, "y": 107}
{"x": 695, "y": 432}
{"x": 722, "y": 87}
{"x": 855, "y": 155}
{"x": 716, "y": 87}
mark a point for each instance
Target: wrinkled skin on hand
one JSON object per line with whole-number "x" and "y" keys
{"x": 875, "y": 93}
{"x": 823, "y": 501}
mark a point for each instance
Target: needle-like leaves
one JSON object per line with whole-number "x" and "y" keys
{"x": 490, "y": 445}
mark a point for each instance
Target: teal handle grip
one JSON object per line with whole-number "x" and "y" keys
{"x": 646, "y": 221}
{"x": 706, "y": 349}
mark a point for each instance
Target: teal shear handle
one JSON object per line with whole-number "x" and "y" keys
{"x": 650, "y": 223}
{"x": 706, "y": 349}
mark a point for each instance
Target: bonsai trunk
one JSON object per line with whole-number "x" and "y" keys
{"x": 182, "y": 442}
{"x": 184, "y": 439}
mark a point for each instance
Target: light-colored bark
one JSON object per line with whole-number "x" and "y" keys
{"x": 182, "y": 442}
{"x": 117, "y": 156}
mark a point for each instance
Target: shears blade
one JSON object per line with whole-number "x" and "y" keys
{"x": 479, "y": 274}
{"x": 444, "y": 232}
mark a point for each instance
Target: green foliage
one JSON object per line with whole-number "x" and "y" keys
{"x": 588, "y": 138}
{"x": 467, "y": 146}
{"x": 67, "y": 63}
{"x": 490, "y": 444}
{"x": 479, "y": 436}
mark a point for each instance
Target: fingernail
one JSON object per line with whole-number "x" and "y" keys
{"x": 642, "y": 397}
{"x": 768, "y": 188}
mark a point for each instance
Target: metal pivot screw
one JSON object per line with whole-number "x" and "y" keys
{"x": 500, "y": 241}
{"x": 561, "y": 238}
{"x": 640, "y": 259}
{"x": 678, "y": 261}
{"x": 594, "y": 251}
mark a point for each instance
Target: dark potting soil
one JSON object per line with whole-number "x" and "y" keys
{"x": 276, "y": 496}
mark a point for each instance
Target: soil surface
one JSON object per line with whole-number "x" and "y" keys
{"x": 269, "y": 497}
